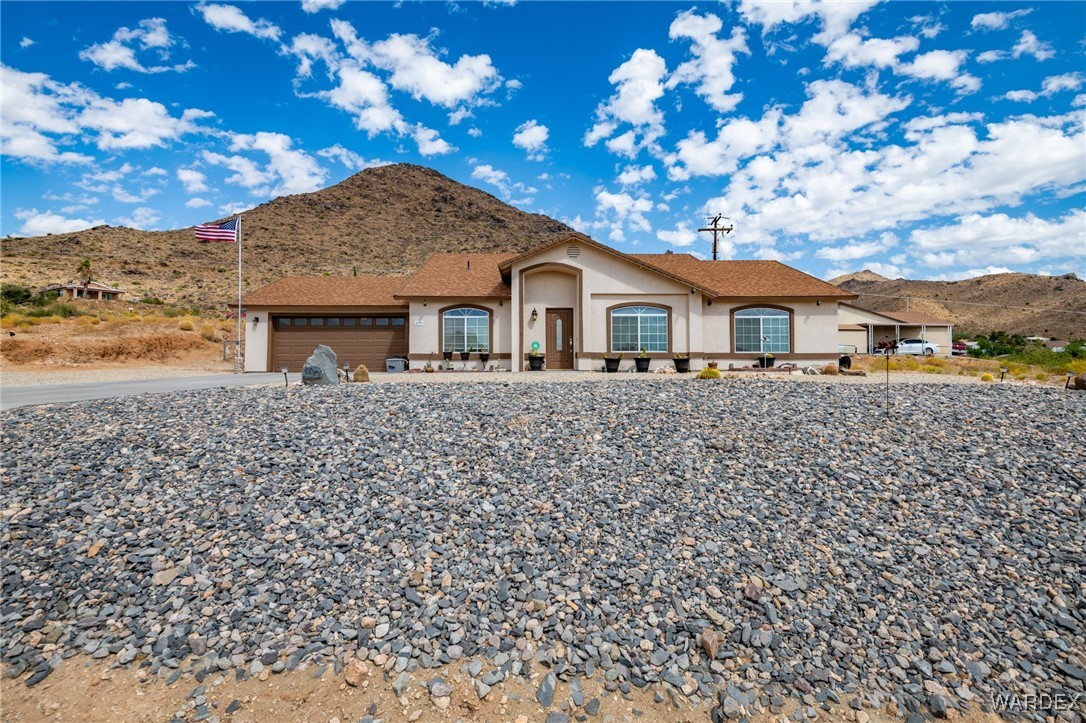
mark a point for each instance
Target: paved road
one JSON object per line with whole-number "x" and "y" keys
{"x": 12, "y": 397}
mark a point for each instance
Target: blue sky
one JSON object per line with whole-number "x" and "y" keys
{"x": 924, "y": 140}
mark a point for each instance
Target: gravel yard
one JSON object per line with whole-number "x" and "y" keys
{"x": 748, "y": 543}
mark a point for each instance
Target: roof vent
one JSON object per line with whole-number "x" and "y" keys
{"x": 573, "y": 251}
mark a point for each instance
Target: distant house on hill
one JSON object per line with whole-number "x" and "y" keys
{"x": 93, "y": 291}
{"x": 572, "y": 301}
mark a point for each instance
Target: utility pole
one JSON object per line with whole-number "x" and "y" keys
{"x": 716, "y": 229}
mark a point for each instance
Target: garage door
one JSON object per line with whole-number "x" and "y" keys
{"x": 356, "y": 340}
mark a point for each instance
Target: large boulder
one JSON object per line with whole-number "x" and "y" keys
{"x": 320, "y": 367}
{"x": 1080, "y": 381}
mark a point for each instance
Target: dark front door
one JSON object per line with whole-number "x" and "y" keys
{"x": 559, "y": 338}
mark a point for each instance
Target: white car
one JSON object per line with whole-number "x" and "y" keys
{"x": 917, "y": 346}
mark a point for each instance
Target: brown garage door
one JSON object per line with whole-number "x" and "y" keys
{"x": 356, "y": 340}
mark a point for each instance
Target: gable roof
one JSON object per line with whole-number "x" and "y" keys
{"x": 644, "y": 260}
{"x": 93, "y": 285}
{"x": 328, "y": 291}
{"x": 445, "y": 274}
{"x": 747, "y": 278}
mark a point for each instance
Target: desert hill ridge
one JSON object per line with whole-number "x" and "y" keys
{"x": 384, "y": 220}
{"x": 1018, "y": 303}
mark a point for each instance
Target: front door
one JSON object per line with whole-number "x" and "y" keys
{"x": 559, "y": 338}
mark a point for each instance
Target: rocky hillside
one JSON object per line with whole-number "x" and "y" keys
{"x": 380, "y": 221}
{"x": 1052, "y": 306}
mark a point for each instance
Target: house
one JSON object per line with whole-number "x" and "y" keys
{"x": 93, "y": 291}
{"x": 864, "y": 329}
{"x": 573, "y": 299}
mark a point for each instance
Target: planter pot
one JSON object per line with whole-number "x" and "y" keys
{"x": 611, "y": 365}
{"x": 765, "y": 362}
{"x": 682, "y": 366}
{"x": 535, "y": 363}
{"x": 642, "y": 363}
{"x": 465, "y": 355}
{"x": 484, "y": 358}
{"x": 712, "y": 365}
{"x": 447, "y": 355}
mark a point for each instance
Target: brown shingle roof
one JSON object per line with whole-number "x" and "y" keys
{"x": 459, "y": 275}
{"x": 328, "y": 291}
{"x": 746, "y": 278}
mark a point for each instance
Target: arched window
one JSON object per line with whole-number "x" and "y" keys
{"x": 465, "y": 329}
{"x": 634, "y": 328}
{"x": 753, "y": 326}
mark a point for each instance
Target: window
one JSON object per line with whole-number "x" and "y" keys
{"x": 634, "y": 328}
{"x": 349, "y": 321}
{"x": 464, "y": 329}
{"x": 753, "y": 324}
{"x": 316, "y": 321}
{"x": 333, "y": 321}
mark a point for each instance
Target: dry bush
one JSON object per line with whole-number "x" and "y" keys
{"x": 361, "y": 373}
{"x": 12, "y": 321}
{"x": 207, "y": 331}
{"x": 831, "y": 370}
{"x": 186, "y": 325}
{"x": 88, "y": 321}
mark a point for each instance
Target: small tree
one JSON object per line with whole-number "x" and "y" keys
{"x": 85, "y": 274}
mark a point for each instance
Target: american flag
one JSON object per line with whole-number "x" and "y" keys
{"x": 218, "y": 231}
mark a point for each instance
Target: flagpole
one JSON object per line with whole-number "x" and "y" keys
{"x": 238, "y": 363}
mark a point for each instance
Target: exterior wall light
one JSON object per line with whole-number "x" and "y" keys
{"x": 535, "y": 314}
{"x": 256, "y": 320}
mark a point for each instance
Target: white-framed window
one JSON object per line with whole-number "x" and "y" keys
{"x": 753, "y": 327}
{"x": 634, "y": 328}
{"x": 465, "y": 328}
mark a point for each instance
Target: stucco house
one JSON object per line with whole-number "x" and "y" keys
{"x": 864, "y": 329}
{"x": 93, "y": 291}
{"x": 574, "y": 299}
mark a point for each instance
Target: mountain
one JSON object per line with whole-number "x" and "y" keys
{"x": 384, "y": 220}
{"x": 1052, "y": 306}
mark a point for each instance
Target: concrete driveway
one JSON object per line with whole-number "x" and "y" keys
{"x": 12, "y": 397}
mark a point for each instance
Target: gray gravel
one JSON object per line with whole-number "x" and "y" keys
{"x": 624, "y": 530}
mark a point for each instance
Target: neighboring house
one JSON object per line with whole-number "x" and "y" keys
{"x": 94, "y": 291}
{"x": 574, "y": 299}
{"x": 865, "y": 329}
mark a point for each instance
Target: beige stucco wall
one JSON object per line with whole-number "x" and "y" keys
{"x": 423, "y": 337}
{"x": 256, "y": 340}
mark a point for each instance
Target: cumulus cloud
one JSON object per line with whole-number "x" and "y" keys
{"x": 287, "y": 170}
{"x": 635, "y": 175}
{"x": 531, "y": 136}
{"x": 39, "y": 223}
{"x": 314, "y": 6}
{"x": 683, "y": 235}
{"x": 349, "y": 158}
{"x": 710, "y": 70}
{"x": 430, "y": 142}
{"x": 944, "y": 65}
{"x": 854, "y": 51}
{"x": 997, "y": 20}
{"x": 639, "y": 83}
{"x": 192, "y": 180}
{"x": 1028, "y": 44}
{"x": 859, "y": 250}
{"x": 505, "y": 185}
{"x": 975, "y": 237}
{"x": 143, "y": 218}
{"x": 230, "y": 19}
{"x": 197, "y": 203}
{"x": 621, "y": 210}
{"x": 25, "y": 43}
{"x": 137, "y": 123}
{"x": 416, "y": 69}
{"x": 120, "y": 51}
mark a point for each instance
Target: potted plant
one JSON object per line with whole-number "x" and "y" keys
{"x": 535, "y": 361}
{"x": 466, "y": 354}
{"x": 641, "y": 361}
{"x": 610, "y": 362}
{"x": 447, "y": 354}
{"x": 484, "y": 356}
{"x": 710, "y": 364}
{"x": 682, "y": 363}
{"x": 766, "y": 360}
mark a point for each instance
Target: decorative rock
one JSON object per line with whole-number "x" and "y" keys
{"x": 544, "y": 695}
{"x": 356, "y": 672}
{"x": 165, "y": 577}
{"x": 320, "y": 368}
{"x": 711, "y": 640}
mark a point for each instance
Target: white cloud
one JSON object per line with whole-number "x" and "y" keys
{"x": 991, "y": 56}
{"x": 296, "y": 170}
{"x": 474, "y": 132}
{"x": 857, "y": 250}
{"x": 996, "y": 21}
{"x": 363, "y": 94}
{"x": 976, "y": 237}
{"x": 459, "y": 115}
{"x": 155, "y": 171}
{"x": 151, "y": 34}
{"x": 634, "y": 175}
{"x": 532, "y": 138}
{"x": 313, "y": 6}
{"x": 738, "y": 138}
{"x": 193, "y": 180}
{"x": 639, "y": 84}
{"x": 136, "y": 123}
{"x": 682, "y": 235}
{"x": 1028, "y": 44}
{"x": 972, "y": 273}
{"x": 853, "y": 51}
{"x": 500, "y": 180}
{"x": 25, "y": 43}
{"x": 621, "y": 210}
{"x": 430, "y": 143}
{"x": 232, "y": 20}
{"x": 942, "y": 65}
{"x": 349, "y": 158}
{"x": 39, "y": 223}
{"x": 1057, "y": 83}
{"x": 711, "y": 67}
{"x": 417, "y": 70}
{"x": 197, "y": 203}
{"x": 1022, "y": 96}
{"x": 234, "y": 207}
{"x": 835, "y": 17}
{"x": 142, "y": 218}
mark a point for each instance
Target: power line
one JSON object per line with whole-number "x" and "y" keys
{"x": 974, "y": 303}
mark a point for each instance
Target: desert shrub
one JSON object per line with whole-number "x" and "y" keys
{"x": 1041, "y": 375}
{"x": 85, "y": 320}
{"x": 186, "y": 325}
{"x": 361, "y": 373}
{"x": 173, "y": 313}
{"x": 16, "y": 294}
{"x": 709, "y": 374}
{"x": 12, "y": 320}
{"x": 831, "y": 370}
{"x": 208, "y": 332}
{"x": 154, "y": 300}
{"x": 986, "y": 377}
{"x": 58, "y": 308}
{"x": 931, "y": 369}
